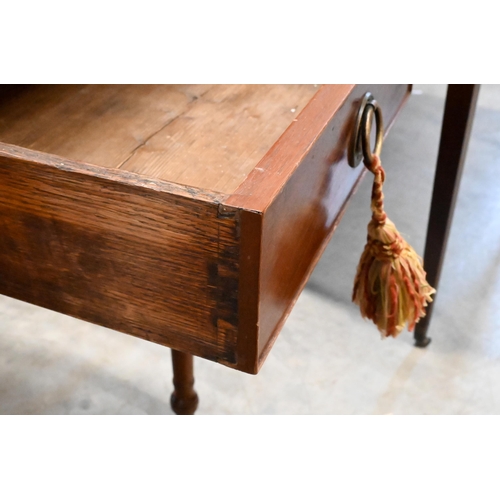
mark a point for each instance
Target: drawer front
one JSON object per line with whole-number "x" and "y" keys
{"x": 293, "y": 201}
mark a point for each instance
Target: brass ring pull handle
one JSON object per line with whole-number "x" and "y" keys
{"x": 359, "y": 145}
{"x": 372, "y": 108}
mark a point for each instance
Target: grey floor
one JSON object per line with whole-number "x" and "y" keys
{"x": 327, "y": 359}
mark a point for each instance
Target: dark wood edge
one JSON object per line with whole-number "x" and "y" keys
{"x": 112, "y": 174}
{"x": 267, "y": 179}
{"x": 248, "y": 296}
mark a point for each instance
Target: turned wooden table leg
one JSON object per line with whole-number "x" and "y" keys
{"x": 184, "y": 399}
{"x": 457, "y": 123}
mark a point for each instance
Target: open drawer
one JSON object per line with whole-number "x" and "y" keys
{"x": 187, "y": 215}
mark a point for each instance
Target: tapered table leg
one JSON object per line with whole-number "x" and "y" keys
{"x": 184, "y": 399}
{"x": 455, "y": 132}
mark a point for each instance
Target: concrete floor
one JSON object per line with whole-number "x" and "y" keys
{"x": 327, "y": 359}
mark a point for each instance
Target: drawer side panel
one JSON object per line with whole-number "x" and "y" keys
{"x": 134, "y": 259}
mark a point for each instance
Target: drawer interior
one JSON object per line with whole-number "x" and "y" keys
{"x": 205, "y": 136}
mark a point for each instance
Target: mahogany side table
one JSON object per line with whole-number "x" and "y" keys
{"x": 186, "y": 215}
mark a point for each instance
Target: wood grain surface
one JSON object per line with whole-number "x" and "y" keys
{"x": 96, "y": 124}
{"x": 205, "y": 136}
{"x": 135, "y": 257}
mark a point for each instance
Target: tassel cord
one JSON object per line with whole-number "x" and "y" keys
{"x": 378, "y": 213}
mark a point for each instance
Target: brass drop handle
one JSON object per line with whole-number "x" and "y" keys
{"x": 359, "y": 144}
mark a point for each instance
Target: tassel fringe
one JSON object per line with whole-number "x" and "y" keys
{"x": 390, "y": 285}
